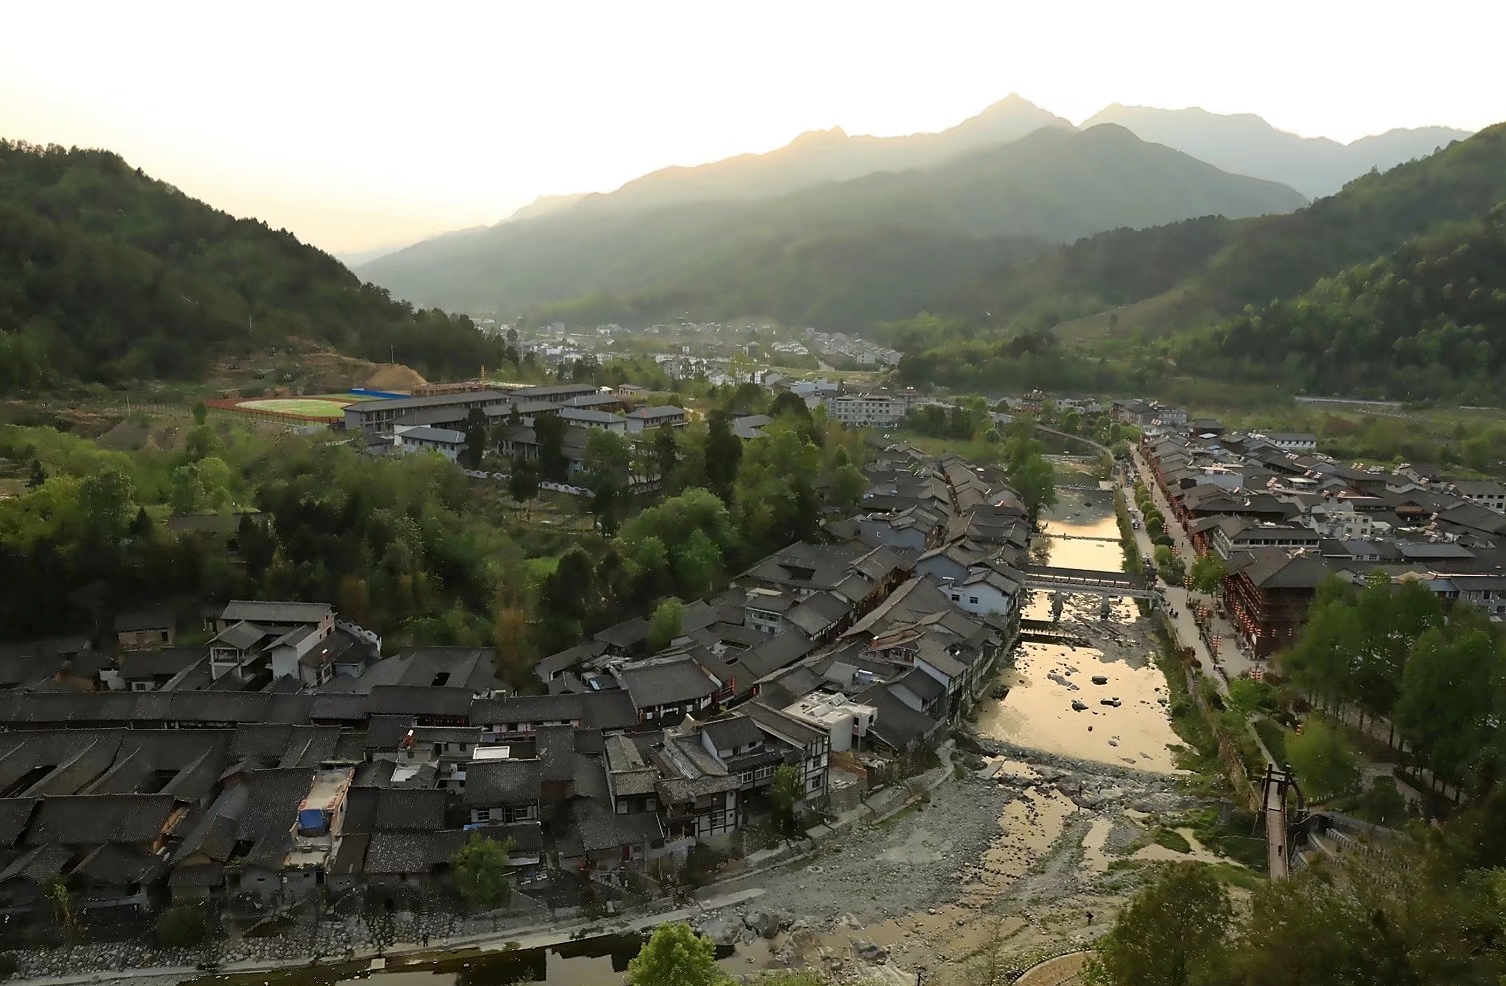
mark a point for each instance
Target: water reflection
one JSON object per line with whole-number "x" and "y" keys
{"x": 1048, "y": 679}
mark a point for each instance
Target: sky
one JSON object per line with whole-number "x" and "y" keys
{"x": 362, "y": 126}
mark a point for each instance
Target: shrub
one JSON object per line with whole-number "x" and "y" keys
{"x": 182, "y": 926}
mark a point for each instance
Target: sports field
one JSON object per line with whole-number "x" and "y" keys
{"x": 307, "y": 407}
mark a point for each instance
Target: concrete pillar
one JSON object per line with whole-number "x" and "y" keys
{"x": 1058, "y": 599}
{"x": 1105, "y": 606}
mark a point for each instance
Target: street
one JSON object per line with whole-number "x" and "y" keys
{"x": 1230, "y": 661}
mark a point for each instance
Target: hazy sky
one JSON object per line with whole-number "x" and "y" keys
{"x": 365, "y": 125}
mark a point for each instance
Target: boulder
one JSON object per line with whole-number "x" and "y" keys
{"x": 765, "y": 924}
{"x": 869, "y": 952}
{"x": 720, "y": 930}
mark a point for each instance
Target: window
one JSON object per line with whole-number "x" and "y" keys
{"x": 622, "y": 808}
{"x": 972, "y": 600}
{"x": 651, "y": 804}
{"x": 481, "y": 814}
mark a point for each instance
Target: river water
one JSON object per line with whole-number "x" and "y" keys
{"x": 1047, "y": 678}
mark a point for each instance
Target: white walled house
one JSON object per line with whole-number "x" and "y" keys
{"x": 425, "y": 439}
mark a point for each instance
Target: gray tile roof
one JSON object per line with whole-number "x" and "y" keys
{"x": 267, "y": 611}
{"x": 502, "y": 782}
{"x": 673, "y": 681}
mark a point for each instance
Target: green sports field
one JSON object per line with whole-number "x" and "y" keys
{"x": 312, "y": 407}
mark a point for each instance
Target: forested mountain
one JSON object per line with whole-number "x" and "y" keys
{"x": 1418, "y": 316}
{"x": 107, "y": 274}
{"x": 718, "y": 258}
{"x": 1226, "y": 265}
{"x": 1247, "y": 145}
{"x": 1426, "y": 321}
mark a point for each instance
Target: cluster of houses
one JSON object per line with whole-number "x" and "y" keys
{"x": 283, "y": 754}
{"x": 1284, "y": 518}
{"x": 839, "y": 347}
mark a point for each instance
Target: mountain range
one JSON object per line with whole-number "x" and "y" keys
{"x": 609, "y": 258}
{"x": 789, "y": 233}
{"x": 1247, "y": 145}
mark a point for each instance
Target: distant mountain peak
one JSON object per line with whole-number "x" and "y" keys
{"x": 819, "y": 136}
{"x": 1246, "y": 144}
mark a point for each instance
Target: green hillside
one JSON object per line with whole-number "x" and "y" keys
{"x": 1389, "y": 288}
{"x": 1426, "y": 321}
{"x": 109, "y": 275}
{"x": 1230, "y": 265}
{"x": 720, "y": 258}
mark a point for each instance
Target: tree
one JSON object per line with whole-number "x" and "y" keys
{"x": 1170, "y": 933}
{"x": 608, "y": 463}
{"x": 201, "y": 442}
{"x": 666, "y": 451}
{"x": 665, "y": 625}
{"x": 676, "y": 956}
{"x": 1324, "y": 761}
{"x": 523, "y": 484}
{"x": 200, "y": 412}
{"x": 480, "y": 871}
{"x": 724, "y": 451}
{"x": 475, "y": 439}
{"x": 38, "y": 475}
{"x": 785, "y": 794}
{"x": 748, "y": 398}
{"x": 188, "y": 493}
{"x": 1247, "y": 696}
{"x": 1208, "y": 573}
{"x": 513, "y": 639}
{"x": 569, "y": 589}
{"x": 848, "y": 484}
{"x": 549, "y": 429}
{"x": 1448, "y": 694}
{"x": 1035, "y": 481}
{"x": 1171, "y": 567}
{"x": 788, "y": 402}
{"x": 106, "y": 499}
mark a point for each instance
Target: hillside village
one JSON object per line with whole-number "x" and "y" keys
{"x": 288, "y": 753}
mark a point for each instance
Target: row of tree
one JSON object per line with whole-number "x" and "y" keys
{"x": 1393, "y": 651}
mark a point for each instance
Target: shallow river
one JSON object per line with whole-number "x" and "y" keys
{"x": 1047, "y": 678}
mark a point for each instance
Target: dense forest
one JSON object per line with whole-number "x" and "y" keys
{"x": 108, "y": 275}
{"x": 1426, "y": 321}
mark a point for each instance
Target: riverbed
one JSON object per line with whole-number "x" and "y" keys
{"x": 1048, "y": 678}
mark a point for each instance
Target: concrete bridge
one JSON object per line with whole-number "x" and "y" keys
{"x": 1108, "y": 586}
